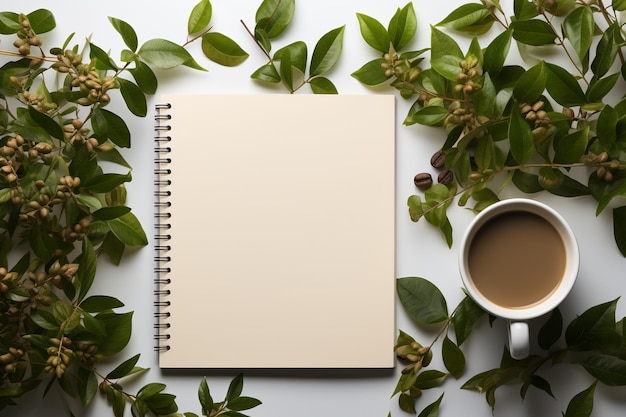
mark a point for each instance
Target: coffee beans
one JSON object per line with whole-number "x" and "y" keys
{"x": 445, "y": 177}
{"x": 423, "y": 180}
{"x": 438, "y": 160}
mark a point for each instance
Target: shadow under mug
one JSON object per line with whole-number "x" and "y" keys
{"x": 517, "y": 317}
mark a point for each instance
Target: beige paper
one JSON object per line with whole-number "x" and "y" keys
{"x": 282, "y": 231}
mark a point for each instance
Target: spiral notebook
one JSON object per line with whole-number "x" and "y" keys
{"x": 275, "y": 231}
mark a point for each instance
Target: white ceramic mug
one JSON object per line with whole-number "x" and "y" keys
{"x": 517, "y": 317}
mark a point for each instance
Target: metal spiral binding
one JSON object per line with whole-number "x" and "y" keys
{"x": 161, "y": 226}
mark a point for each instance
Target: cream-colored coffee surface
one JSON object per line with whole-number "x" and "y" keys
{"x": 517, "y": 259}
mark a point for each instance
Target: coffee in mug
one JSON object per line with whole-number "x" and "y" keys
{"x": 518, "y": 260}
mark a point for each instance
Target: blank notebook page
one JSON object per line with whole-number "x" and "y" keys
{"x": 282, "y": 231}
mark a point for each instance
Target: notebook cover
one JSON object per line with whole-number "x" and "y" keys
{"x": 282, "y": 231}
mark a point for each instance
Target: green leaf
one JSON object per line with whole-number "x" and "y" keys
{"x": 582, "y": 403}
{"x": 430, "y": 379}
{"x": 116, "y": 400}
{"x": 533, "y": 32}
{"x": 571, "y": 148}
{"x": 145, "y": 78}
{"x": 538, "y": 382}
{"x": 374, "y": 33}
{"x": 607, "y": 369}
{"x": 402, "y": 26}
{"x": 469, "y": 17}
{"x": 570, "y": 188}
{"x": 113, "y": 247}
{"x": 165, "y": 54}
{"x": 127, "y": 56}
{"x": 46, "y": 122}
{"x": 98, "y": 303}
{"x": 496, "y": 52}
{"x": 520, "y": 138}
{"x": 110, "y": 213}
{"x": 45, "y": 320}
{"x": 223, "y": 50}
{"x": 109, "y": 125}
{"x": 87, "y": 269}
{"x": 464, "y": 319}
{"x": 268, "y": 73}
{"x": 578, "y": 27}
{"x": 422, "y": 300}
{"x": 286, "y": 72}
{"x": 118, "y": 329}
{"x": 606, "y": 50}
{"x": 485, "y": 98}
{"x": 150, "y": 390}
{"x": 551, "y": 330}
{"x": 431, "y": 410}
{"x": 235, "y": 388}
{"x": 41, "y": 21}
{"x": 261, "y": 37}
{"x": 525, "y": 10}
{"x": 619, "y": 5}
{"x": 200, "y": 17}
{"x": 599, "y": 88}
{"x": 87, "y": 386}
{"x": 92, "y": 325}
{"x": 298, "y": 55}
{"x": 322, "y": 85}
{"x": 592, "y": 328}
{"x": 124, "y": 368}
{"x": 428, "y": 116}
{"x": 619, "y": 228}
{"x": 372, "y": 73}
{"x": 105, "y": 183}
{"x": 204, "y": 395}
{"x": 327, "y": 52}
{"x": 89, "y": 201}
{"x": 274, "y": 16}
{"x": 563, "y": 86}
{"x": 103, "y": 60}
{"x": 531, "y": 84}
{"x": 162, "y": 404}
{"x": 442, "y": 44}
{"x": 127, "y": 32}
{"x": 453, "y": 358}
{"x": 128, "y": 230}
{"x": 407, "y": 403}
{"x": 448, "y": 66}
{"x": 138, "y": 408}
{"x": 243, "y": 403}
{"x": 9, "y": 23}
{"x": 133, "y": 97}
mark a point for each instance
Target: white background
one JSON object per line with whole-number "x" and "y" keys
{"x": 421, "y": 250}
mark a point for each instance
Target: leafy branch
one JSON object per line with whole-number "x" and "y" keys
{"x": 290, "y": 64}
{"x": 59, "y": 209}
{"x": 593, "y": 341}
{"x": 499, "y": 119}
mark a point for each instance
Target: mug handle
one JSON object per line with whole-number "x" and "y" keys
{"x": 519, "y": 339}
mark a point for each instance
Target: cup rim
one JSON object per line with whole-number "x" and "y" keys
{"x": 572, "y": 262}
